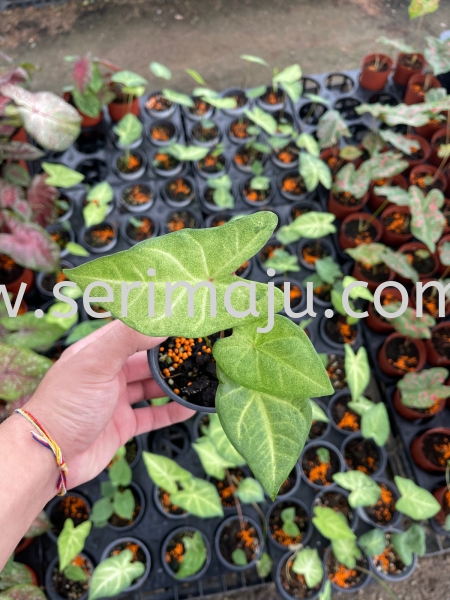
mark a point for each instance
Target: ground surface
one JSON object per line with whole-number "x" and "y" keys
{"x": 210, "y": 35}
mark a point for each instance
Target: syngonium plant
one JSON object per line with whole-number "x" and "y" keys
{"x": 288, "y": 78}
{"x": 263, "y": 394}
{"x": 422, "y": 391}
{"x": 114, "y": 575}
{"x": 70, "y": 544}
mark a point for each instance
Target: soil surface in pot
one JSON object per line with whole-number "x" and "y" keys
{"x": 298, "y": 211}
{"x": 336, "y": 371}
{"x": 347, "y": 199}
{"x": 294, "y": 584}
{"x": 49, "y": 280}
{"x": 255, "y": 195}
{"x": 323, "y": 292}
{"x": 117, "y": 521}
{"x": 344, "y": 417}
{"x": 317, "y": 472}
{"x": 440, "y": 340}
{"x": 312, "y": 251}
{"x": 137, "y": 195}
{"x": 234, "y": 536}
{"x": 62, "y": 205}
{"x": 273, "y": 97}
{"x": 360, "y": 232}
{"x": 239, "y": 128}
{"x": 293, "y": 184}
{"x": 158, "y": 103}
{"x": 227, "y": 489}
{"x": 339, "y": 331}
{"x": 397, "y": 222}
{"x": 205, "y": 131}
{"x": 72, "y": 590}
{"x": 165, "y": 162}
{"x": 342, "y": 576}
{"x": 362, "y": 455}
{"x": 180, "y": 219}
{"x": 378, "y": 273}
{"x": 137, "y": 552}
{"x": 220, "y": 220}
{"x": 382, "y": 512}
{"x": 436, "y": 447}
{"x": 337, "y": 501}
{"x": 140, "y": 232}
{"x": 129, "y": 164}
{"x": 275, "y": 524}
{"x": 317, "y": 430}
{"x": 376, "y": 66}
{"x": 99, "y": 236}
{"x": 386, "y": 299}
{"x": 402, "y": 354}
{"x": 200, "y": 108}
{"x": 411, "y": 61}
{"x": 422, "y": 263}
{"x": 430, "y": 302}
{"x": 179, "y": 189}
{"x": 242, "y": 269}
{"x": 245, "y": 157}
{"x": 427, "y": 182}
{"x": 239, "y": 97}
{"x": 414, "y": 154}
{"x": 69, "y": 507}
{"x": 212, "y": 163}
{"x": 388, "y": 562}
{"x": 189, "y": 368}
{"x": 131, "y": 451}
{"x": 61, "y": 236}
{"x": 268, "y": 251}
{"x": 288, "y": 155}
{"x": 335, "y": 163}
{"x": 175, "y": 550}
{"x": 166, "y": 504}
{"x": 162, "y": 131}
{"x": 295, "y": 294}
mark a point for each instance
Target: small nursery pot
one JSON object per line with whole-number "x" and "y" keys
{"x": 169, "y": 191}
{"x": 164, "y": 110}
{"x": 433, "y": 308}
{"x": 338, "y": 467}
{"x": 418, "y": 451}
{"x": 441, "y": 495}
{"x": 415, "y": 92}
{"x": 356, "y": 444}
{"x": 127, "y": 229}
{"x": 57, "y": 229}
{"x": 387, "y": 363}
{"x": 343, "y": 210}
{"x": 257, "y": 203}
{"x": 425, "y": 149}
{"x": 25, "y": 276}
{"x": 410, "y": 414}
{"x": 237, "y": 131}
{"x": 320, "y": 248}
{"x": 168, "y": 133}
{"x": 213, "y": 174}
{"x": 74, "y": 506}
{"x": 243, "y": 103}
{"x": 166, "y": 513}
{"x": 272, "y": 101}
{"x": 329, "y": 561}
{"x": 319, "y": 429}
{"x": 440, "y": 332}
{"x": 428, "y": 170}
{"x": 412, "y": 247}
{"x": 201, "y": 109}
{"x": 164, "y": 550}
{"x": 164, "y": 173}
{"x": 404, "y": 71}
{"x": 371, "y": 79}
{"x": 438, "y": 138}
{"x": 329, "y": 497}
{"x": 297, "y": 292}
{"x": 117, "y": 110}
{"x": 246, "y": 166}
{"x": 106, "y": 226}
{"x": 221, "y": 531}
{"x": 140, "y": 498}
{"x": 297, "y": 191}
{"x": 361, "y": 275}
{"x": 404, "y": 574}
{"x": 380, "y": 510}
{"x": 49, "y": 587}
{"x": 276, "y": 535}
{"x": 373, "y": 319}
{"x": 391, "y": 237}
{"x": 86, "y": 121}
{"x": 145, "y": 557}
{"x": 376, "y": 201}
{"x": 153, "y": 360}
{"x": 43, "y": 279}
{"x": 353, "y": 330}
{"x": 289, "y": 154}
{"x": 343, "y": 419}
{"x": 119, "y": 146}
{"x": 291, "y": 485}
{"x": 137, "y": 198}
{"x": 138, "y": 173}
{"x": 346, "y": 237}
{"x": 282, "y": 586}
{"x": 427, "y": 131}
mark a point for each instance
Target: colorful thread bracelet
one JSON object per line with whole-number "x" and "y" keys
{"x": 45, "y": 440}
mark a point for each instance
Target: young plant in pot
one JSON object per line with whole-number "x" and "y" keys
{"x": 170, "y": 162}
{"x": 319, "y": 462}
{"x": 128, "y": 87}
{"x": 131, "y": 164}
{"x": 319, "y": 423}
{"x": 214, "y": 163}
{"x": 409, "y": 60}
{"x": 331, "y": 129}
{"x": 236, "y": 390}
{"x": 99, "y": 235}
{"x": 119, "y": 572}
{"x": 300, "y": 574}
{"x": 162, "y": 104}
{"x": 252, "y": 151}
{"x": 218, "y": 195}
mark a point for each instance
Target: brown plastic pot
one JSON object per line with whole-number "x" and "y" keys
{"x": 376, "y": 201}
{"x": 20, "y": 135}
{"x": 372, "y": 285}
{"x": 117, "y": 110}
{"x": 427, "y": 131}
{"x": 375, "y": 80}
{"x": 433, "y": 356}
{"x": 341, "y": 210}
{"x": 413, "y": 96}
{"x": 412, "y": 296}
{"x": 347, "y": 242}
{"x": 426, "y": 150}
{"x": 392, "y": 371}
{"x": 403, "y": 74}
{"x": 86, "y": 120}
{"x": 442, "y": 132}
{"x": 26, "y": 277}
{"x": 391, "y": 238}
{"x": 418, "y": 455}
{"x": 412, "y": 246}
{"x": 439, "y": 494}
{"x": 420, "y": 170}
{"x": 373, "y": 319}
{"x": 409, "y": 413}
{"x": 444, "y": 239}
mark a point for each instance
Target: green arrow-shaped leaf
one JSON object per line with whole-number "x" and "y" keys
{"x": 71, "y": 541}
{"x": 199, "y": 498}
{"x": 415, "y": 502}
{"x": 114, "y": 575}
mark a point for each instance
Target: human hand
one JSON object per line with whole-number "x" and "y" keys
{"x": 85, "y": 400}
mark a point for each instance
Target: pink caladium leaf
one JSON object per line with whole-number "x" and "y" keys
{"x": 29, "y": 245}
{"x": 373, "y": 143}
{"x": 403, "y": 114}
{"x": 427, "y": 220}
{"x": 399, "y": 263}
{"x": 6, "y": 130}
{"x": 331, "y": 128}
{"x": 13, "y": 75}
{"x": 375, "y": 110}
{"x": 437, "y": 54}
{"x": 3, "y": 104}
{"x": 410, "y": 324}
{"x": 16, "y": 174}
{"x": 24, "y": 592}
{"x": 444, "y": 254}
{"x": 42, "y": 199}
{"x": 383, "y": 166}
{"x": 21, "y": 371}
{"x": 82, "y": 73}
{"x": 352, "y": 181}
{"x": 422, "y": 390}
{"x": 19, "y": 151}
{"x": 394, "y": 194}
{"x": 368, "y": 254}
{"x": 23, "y": 209}
{"x": 52, "y": 122}
{"x": 9, "y": 195}
{"x": 39, "y": 526}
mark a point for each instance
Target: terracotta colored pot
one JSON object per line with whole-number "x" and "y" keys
{"x": 34, "y": 577}
{"x": 412, "y": 246}
{"x": 23, "y": 545}
{"x": 446, "y": 208}
{"x": 421, "y": 170}
{"x": 412, "y": 96}
{"x": 340, "y": 210}
{"x": 375, "y": 80}
{"x": 373, "y": 319}
{"x": 390, "y": 238}
{"x": 389, "y": 369}
{"x": 427, "y": 131}
{"x": 439, "y": 494}
{"x": 117, "y": 110}
{"x": 409, "y": 413}
{"x": 87, "y": 121}
{"x": 418, "y": 455}
{"x": 440, "y": 133}
{"x": 412, "y": 296}
{"x": 426, "y": 150}
{"x": 372, "y": 285}
{"x": 433, "y": 356}
{"x": 20, "y": 135}
{"x": 444, "y": 239}
{"x": 376, "y": 201}
{"x": 402, "y": 74}
{"x": 26, "y": 277}
{"x": 346, "y": 242}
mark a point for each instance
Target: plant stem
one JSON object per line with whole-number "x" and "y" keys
{"x": 379, "y": 580}
{"x": 375, "y": 215}
{"x": 310, "y": 112}
{"x": 263, "y": 519}
{"x": 207, "y": 342}
{"x": 236, "y": 500}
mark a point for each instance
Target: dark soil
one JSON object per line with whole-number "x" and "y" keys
{"x": 129, "y": 164}
{"x": 212, "y": 164}
{"x": 72, "y": 590}
{"x": 238, "y": 128}
{"x": 336, "y": 371}
{"x": 268, "y": 251}
{"x": 49, "y": 280}
{"x": 293, "y": 184}
{"x": 156, "y": 102}
{"x": 233, "y": 537}
{"x": 245, "y": 157}
{"x": 143, "y": 232}
{"x": 296, "y": 294}
{"x": 61, "y": 236}
{"x": 99, "y": 236}
{"x": 298, "y": 210}
{"x": 255, "y": 195}
{"x": 402, "y": 354}
{"x": 271, "y": 97}
{"x": 360, "y": 232}
{"x": 220, "y": 220}
{"x": 436, "y": 447}
{"x": 398, "y": 222}
{"x": 344, "y": 577}
{"x": 275, "y": 524}
{"x": 317, "y": 430}
{"x": 288, "y": 484}
{"x": 117, "y": 521}
{"x": 344, "y": 417}
{"x": 313, "y": 251}
{"x": 243, "y": 269}
{"x": 381, "y": 67}
{"x": 165, "y": 162}
{"x": 411, "y": 61}
{"x": 320, "y": 473}
{"x": 388, "y": 562}
{"x": 138, "y": 554}
{"x": 200, "y": 108}
{"x": 205, "y": 134}
{"x": 383, "y": 511}
{"x": 179, "y": 189}
{"x": 339, "y": 331}
{"x": 162, "y": 131}
{"x": 362, "y": 455}
{"x": 62, "y": 210}
{"x": 282, "y": 118}
{"x": 175, "y": 550}
{"x": 180, "y": 219}
{"x": 166, "y": 504}
{"x": 288, "y": 154}
{"x": 295, "y": 585}
{"x": 378, "y": 273}
{"x": 440, "y": 340}
{"x": 89, "y": 142}
{"x": 420, "y": 179}
{"x": 414, "y": 154}
{"x": 226, "y": 490}
{"x": 346, "y": 199}
{"x": 69, "y": 507}
{"x": 323, "y": 292}
{"x": 337, "y": 501}
{"x": 137, "y": 195}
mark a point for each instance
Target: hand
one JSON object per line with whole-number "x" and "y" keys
{"x": 85, "y": 400}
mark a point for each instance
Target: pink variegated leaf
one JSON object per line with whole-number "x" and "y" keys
{"x": 422, "y": 390}
{"x": 29, "y": 245}
{"x": 6, "y": 130}
{"x": 383, "y": 166}
{"x": 368, "y": 254}
{"x": 9, "y": 195}
{"x": 427, "y": 220}
{"x": 42, "y": 199}
{"x": 13, "y": 75}
{"x": 403, "y": 114}
{"x": 352, "y": 181}
{"x": 19, "y": 151}
{"x": 399, "y": 263}
{"x": 23, "y": 209}
{"x": 3, "y": 104}
{"x": 444, "y": 254}
{"x": 21, "y": 371}
{"x": 82, "y": 73}
{"x": 16, "y": 174}
{"x": 409, "y": 324}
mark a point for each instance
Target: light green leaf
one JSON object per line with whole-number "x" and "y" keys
{"x": 373, "y": 542}
{"x": 128, "y": 129}
{"x": 415, "y": 502}
{"x": 102, "y": 510}
{"x": 65, "y": 323}
{"x": 314, "y": 171}
{"x": 120, "y": 473}
{"x": 410, "y": 324}
{"x": 254, "y": 59}
{"x": 408, "y": 543}
{"x": 309, "y": 142}
{"x": 399, "y": 141}
{"x": 94, "y": 213}
{"x": 27, "y": 331}
{"x": 128, "y": 79}
{"x": 76, "y": 249}
{"x": 263, "y": 120}
{"x": 222, "y": 103}
{"x": 331, "y": 524}
{"x": 428, "y": 221}
{"x": 71, "y": 541}
{"x": 328, "y": 270}
{"x": 84, "y": 329}
{"x": 308, "y": 563}
{"x": 316, "y": 99}
{"x": 239, "y": 557}
{"x": 331, "y": 128}
{"x": 290, "y": 74}
{"x": 61, "y": 176}
{"x": 107, "y": 489}
{"x": 350, "y": 153}
{"x": 422, "y": 390}
{"x": 375, "y": 424}
{"x": 318, "y": 414}
{"x": 250, "y": 491}
{"x": 399, "y": 263}
{"x": 357, "y": 370}
{"x": 361, "y": 405}
{"x": 289, "y": 525}
{"x": 398, "y": 45}
{"x": 102, "y": 193}
{"x": 75, "y": 573}
{"x": 358, "y": 291}
{"x": 264, "y": 565}
{"x": 164, "y": 472}
{"x": 198, "y": 497}
{"x": 394, "y": 194}
{"x": 213, "y": 464}
{"x": 194, "y": 556}
{"x": 364, "y": 490}
{"x": 346, "y": 552}
{"x": 256, "y": 92}
{"x": 293, "y": 90}
{"x": 124, "y": 504}
{"x": 178, "y": 98}
{"x": 419, "y": 8}
{"x": 323, "y": 454}
{"x": 114, "y": 575}
{"x": 222, "y": 444}
{"x": 326, "y": 593}
{"x": 160, "y": 70}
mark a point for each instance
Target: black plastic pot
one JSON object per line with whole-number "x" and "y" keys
{"x": 320, "y": 444}
{"x": 174, "y": 203}
{"x": 396, "y": 516}
{"x": 289, "y": 195}
{"x": 394, "y": 578}
{"x": 214, "y": 175}
{"x": 219, "y": 531}
{"x": 206, "y": 144}
{"x": 326, "y": 431}
{"x": 138, "y": 208}
{"x": 163, "y": 143}
{"x": 55, "y": 501}
{"x": 138, "y": 491}
{"x": 256, "y": 205}
{"x": 57, "y": 227}
{"x": 239, "y": 110}
{"x": 326, "y": 243}
{"x": 160, "y": 509}
{"x": 292, "y": 502}
{"x": 281, "y": 565}
{"x": 271, "y": 108}
{"x": 382, "y": 456}
{"x": 365, "y": 578}
{"x": 300, "y": 306}
{"x": 170, "y": 172}
{"x": 159, "y": 114}
{"x": 205, "y": 567}
{"x": 338, "y": 346}
{"x": 49, "y": 589}
{"x": 120, "y": 146}
{"x": 136, "y": 174}
{"x": 103, "y": 249}
{"x": 338, "y": 396}
{"x": 354, "y": 521}
{"x": 289, "y": 493}
{"x": 65, "y": 264}
{"x": 148, "y": 560}
{"x": 129, "y": 239}
{"x": 69, "y": 212}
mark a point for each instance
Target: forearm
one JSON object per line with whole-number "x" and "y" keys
{"x": 28, "y": 477}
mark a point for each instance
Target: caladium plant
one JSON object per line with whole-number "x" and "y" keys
{"x": 288, "y": 78}
{"x": 98, "y": 199}
{"x": 331, "y": 128}
{"x": 372, "y": 255}
{"x": 437, "y": 53}
{"x": 423, "y": 390}
{"x": 409, "y": 324}
{"x": 21, "y": 372}
{"x": 374, "y": 419}
{"x": 282, "y": 261}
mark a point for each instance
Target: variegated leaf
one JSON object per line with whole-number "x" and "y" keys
{"x": 399, "y": 141}
{"x": 82, "y": 72}
{"x": 394, "y": 194}
{"x": 427, "y": 220}
{"x": 331, "y": 128}
{"x": 352, "y": 181}
{"x": 383, "y": 166}
{"x": 409, "y": 324}
{"x": 437, "y": 54}
{"x": 41, "y": 198}
{"x": 368, "y": 254}
{"x": 21, "y": 371}
{"x": 444, "y": 253}
{"x": 419, "y": 8}
{"x": 422, "y": 390}
{"x": 399, "y": 263}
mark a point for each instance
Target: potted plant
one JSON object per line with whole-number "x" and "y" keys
{"x": 186, "y": 554}
{"x": 421, "y": 395}
{"x": 218, "y": 195}
{"x": 288, "y": 523}
{"x": 140, "y": 554}
{"x": 131, "y": 164}
{"x": 300, "y": 574}
{"x": 375, "y": 71}
{"x": 409, "y": 60}
{"x": 320, "y": 461}
{"x": 430, "y": 449}
{"x": 118, "y": 573}
{"x": 127, "y": 87}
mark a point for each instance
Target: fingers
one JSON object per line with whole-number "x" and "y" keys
{"x": 156, "y": 417}
{"x": 137, "y": 368}
{"x": 143, "y": 390}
